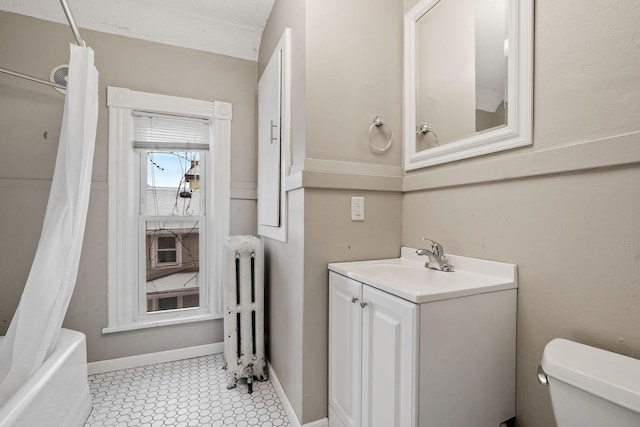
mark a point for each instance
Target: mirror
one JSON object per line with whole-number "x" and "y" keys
{"x": 468, "y": 68}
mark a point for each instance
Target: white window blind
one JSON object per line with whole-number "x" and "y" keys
{"x": 153, "y": 131}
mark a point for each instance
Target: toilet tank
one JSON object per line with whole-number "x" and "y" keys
{"x": 590, "y": 386}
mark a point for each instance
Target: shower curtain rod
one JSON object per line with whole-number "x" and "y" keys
{"x": 79, "y": 42}
{"x": 33, "y": 79}
{"x": 72, "y": 23}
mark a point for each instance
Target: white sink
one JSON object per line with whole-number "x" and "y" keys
{"x": 408, "y": 278}
{"x": 405, "y": 273}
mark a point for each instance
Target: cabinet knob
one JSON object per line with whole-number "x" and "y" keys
{"x": 363, "y": 304}
{"x": 354, "y": 300}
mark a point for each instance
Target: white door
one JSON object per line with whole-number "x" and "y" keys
{"x": 269, "y": 118}
{"x": 389, "y": 360}
{"x": 345, "y": 325}
{"x": 274, "y": 140}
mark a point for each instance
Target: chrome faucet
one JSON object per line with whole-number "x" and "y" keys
{"x": 437, "y": 260}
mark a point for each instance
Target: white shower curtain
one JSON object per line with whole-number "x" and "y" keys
{"x": 36, "y": 324}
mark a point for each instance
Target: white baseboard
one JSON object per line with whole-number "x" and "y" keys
{"x": 152, "y": 358}
{"x": 288, "y": 409}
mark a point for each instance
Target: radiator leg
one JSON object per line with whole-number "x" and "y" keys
{"x": 232, "y": 380}
{"x": 249, "y": 374}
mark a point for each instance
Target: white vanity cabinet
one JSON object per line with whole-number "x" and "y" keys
{"x": 436, "y": 350}
{"x": 372, "y": 356}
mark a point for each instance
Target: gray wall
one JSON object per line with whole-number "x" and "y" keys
{"x": 284, "y": 271}
{"x": 354, "y": 73}
{"x": 343, "y": 76}
{"x": 290, "y": 14}
{"x": 565, "y": 209}
{"x": 27, "y": 159}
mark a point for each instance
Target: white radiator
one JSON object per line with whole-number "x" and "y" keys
{"x": 244, "y": 316}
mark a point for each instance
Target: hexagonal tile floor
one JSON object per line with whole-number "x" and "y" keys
{"x": 190, "y": 392}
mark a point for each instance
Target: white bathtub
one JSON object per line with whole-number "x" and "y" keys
{"x": 57, "y": 394}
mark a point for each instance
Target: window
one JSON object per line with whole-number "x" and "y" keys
{"x": 168, "y": 208}
{"x": 165, "y": 250}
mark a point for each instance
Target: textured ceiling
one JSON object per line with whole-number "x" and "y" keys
{"x": 227, "y": 27}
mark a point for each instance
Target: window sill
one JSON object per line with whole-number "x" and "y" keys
{"x": 145, "y": 324}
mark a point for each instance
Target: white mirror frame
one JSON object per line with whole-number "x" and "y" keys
{"x": 517, "y": 132}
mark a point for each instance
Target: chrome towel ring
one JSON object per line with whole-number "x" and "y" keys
{"x": 379, "y": 123}
{"x": 424, "y": 129}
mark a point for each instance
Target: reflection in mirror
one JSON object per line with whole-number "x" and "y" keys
{"x": 467, "y": 91}
{"x": 492, "y": 43}
{"x": 461, "y": 70}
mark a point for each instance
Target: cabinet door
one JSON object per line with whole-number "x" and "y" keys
{"x": 389, "y": 360}
{"x": 269, "y": 172}
{"x": 345, "y": 325}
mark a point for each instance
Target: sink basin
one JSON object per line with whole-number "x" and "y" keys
{"x": 408, "y": 278}
{"x": 407, "y": 273}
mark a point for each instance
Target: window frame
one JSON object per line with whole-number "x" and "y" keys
{"x": 124, "y": 296}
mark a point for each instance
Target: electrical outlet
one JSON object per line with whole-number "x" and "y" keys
{"x": 357, "y": 209}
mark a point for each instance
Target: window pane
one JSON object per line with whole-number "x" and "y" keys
{"x": 168, "y": 303}
{"x": 173, "y": 183}
{"x": 167, "y": 242}
{"x": 174, "y": 271}
{"x": 167, "y": 256}
{"x": 191, "y": 301}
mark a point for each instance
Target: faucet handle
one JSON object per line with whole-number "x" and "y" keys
{"x": 436, "y": 247}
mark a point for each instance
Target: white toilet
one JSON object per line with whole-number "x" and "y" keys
{"x": 590, "y": 386}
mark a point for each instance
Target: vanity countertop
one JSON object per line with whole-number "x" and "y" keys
{"x": 408, "y": 278}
